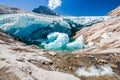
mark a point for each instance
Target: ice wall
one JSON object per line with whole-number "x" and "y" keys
{"x": 34, "y": 29}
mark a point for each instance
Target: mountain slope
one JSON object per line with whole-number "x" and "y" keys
{"x": 115, "y": 12}
{"x": 104, "y": 37}
{"x": 10, "y": 10}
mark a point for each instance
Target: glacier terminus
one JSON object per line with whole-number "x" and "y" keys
{"x": 52, "y": 32}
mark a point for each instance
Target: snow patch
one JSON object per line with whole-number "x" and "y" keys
{"x": 95, "y": 71}
{"x": 90, "y": 44}
{"x": 118, "y": 38}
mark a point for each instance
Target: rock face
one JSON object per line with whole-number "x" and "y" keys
{"x": 115, "y": 12}
{"x": 104, "y": 37}
{"x": 44, "y": 10}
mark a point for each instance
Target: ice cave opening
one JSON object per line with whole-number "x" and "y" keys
{"x": 48, "y": 32}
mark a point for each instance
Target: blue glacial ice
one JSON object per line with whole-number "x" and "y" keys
{"x": 56, "y": 41}
{"x": 77, "y": 44}
{"x": 53, "y": 31}
{"x": 60, "y": 41}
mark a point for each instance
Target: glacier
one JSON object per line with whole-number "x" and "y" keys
{"x": 53, "y": 32}
{"x": 60, "y": 41}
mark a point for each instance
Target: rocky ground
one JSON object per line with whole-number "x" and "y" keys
{"x": 102, "y": 37}
{"x": 69, "y": 63}
{"x": 21, "y": 62}
{"x": 104, "y": 41}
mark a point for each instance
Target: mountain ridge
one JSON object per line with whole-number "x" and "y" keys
{"x": 115, "y": 12}
{"x": 10, "y": 10}
{"x": 44, "y": 10}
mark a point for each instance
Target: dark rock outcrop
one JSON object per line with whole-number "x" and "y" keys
{"x": 44, "y": 10}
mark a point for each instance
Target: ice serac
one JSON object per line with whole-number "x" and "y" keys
{"x": 34, "y": 29}
{"x": 56, "y": 41}
{"x": 77, "y": 44}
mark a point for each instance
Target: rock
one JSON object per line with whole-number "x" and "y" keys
{"x": 115, "y": 12}
{"x": 101, "y": 61}
{"x": 113, "y": 65}
{"x": 109, "y": 43}
{"x": 15, "y": 64}
{"x": 44, "y": 10}
{"x": 52, "y": 53}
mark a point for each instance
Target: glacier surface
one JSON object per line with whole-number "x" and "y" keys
{"x": 52, "y": 31}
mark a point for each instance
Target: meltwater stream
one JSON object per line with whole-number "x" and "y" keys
{"x": 49, "y": 32}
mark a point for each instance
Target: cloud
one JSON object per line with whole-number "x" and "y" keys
{"x": 53, "y": 4}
